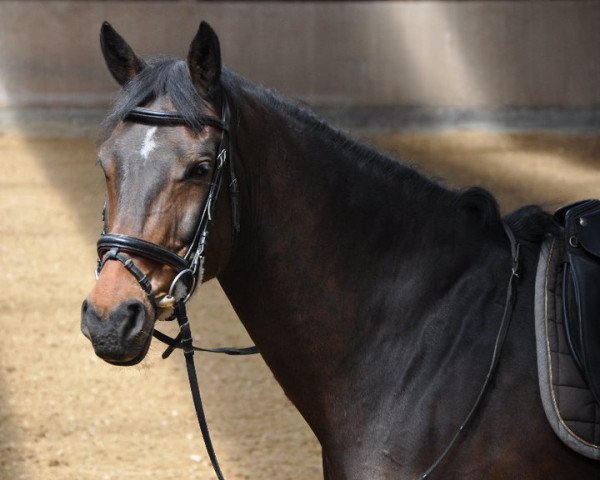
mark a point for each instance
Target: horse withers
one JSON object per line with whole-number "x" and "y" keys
{"x": 375, "y": 295}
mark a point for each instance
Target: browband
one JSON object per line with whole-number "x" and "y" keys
{"x": 170, "y": 119}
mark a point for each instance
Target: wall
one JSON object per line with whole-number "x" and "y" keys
{"x": 479, "y": 54}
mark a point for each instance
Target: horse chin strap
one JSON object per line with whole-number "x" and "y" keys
{"x": 190, "y": 267}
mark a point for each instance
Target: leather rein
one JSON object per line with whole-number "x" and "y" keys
{"x": 509, "y": 303}
{"x": 189, "y": 268}
{"x": 190, "y": 271}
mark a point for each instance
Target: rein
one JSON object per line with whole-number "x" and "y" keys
{"x": 500, "y": 338}
{"x": 190, "y": 267}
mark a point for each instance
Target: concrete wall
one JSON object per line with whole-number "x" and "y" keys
{"x": 429, "y": 54}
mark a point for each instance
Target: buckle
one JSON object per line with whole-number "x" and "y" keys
{"x": 222, "y": 157}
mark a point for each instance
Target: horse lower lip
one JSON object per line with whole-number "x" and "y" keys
{"x": 128, "y": 363}
{"x": 120, "y": 356}
{"x": 133, "y": 361}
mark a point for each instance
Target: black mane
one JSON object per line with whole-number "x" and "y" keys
{"x": 386, "y": 169}
{"x": 166, "y": 76}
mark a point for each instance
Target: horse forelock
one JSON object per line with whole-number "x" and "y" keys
{"x": 163, "y": 77}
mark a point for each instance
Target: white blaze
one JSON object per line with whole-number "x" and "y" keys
{"x": 148, "y": 143}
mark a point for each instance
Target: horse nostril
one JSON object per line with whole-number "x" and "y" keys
{"x": 132, "y": 315}
{"x": 134, "y": 310}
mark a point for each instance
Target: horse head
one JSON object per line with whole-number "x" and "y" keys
{"x": 163, "y": 158}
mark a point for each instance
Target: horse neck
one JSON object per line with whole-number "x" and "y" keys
{"x": 326, "y": 236}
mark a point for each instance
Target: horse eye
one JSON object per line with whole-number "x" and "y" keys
{"x": 197, "y": 170}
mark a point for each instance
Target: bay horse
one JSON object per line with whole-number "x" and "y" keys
{"x": 373, "y": 293}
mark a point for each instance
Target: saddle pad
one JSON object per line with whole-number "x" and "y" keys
{"x": 568, "y": 402}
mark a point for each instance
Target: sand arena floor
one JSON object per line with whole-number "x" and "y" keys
{"x": 64, "y": 414}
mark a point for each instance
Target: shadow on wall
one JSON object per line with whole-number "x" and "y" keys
{"x": 490, "y": 55}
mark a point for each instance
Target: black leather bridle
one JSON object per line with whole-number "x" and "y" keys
{"x": 189, "y": 268}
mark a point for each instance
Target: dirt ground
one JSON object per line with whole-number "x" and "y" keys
{"x": 64, "y": 414}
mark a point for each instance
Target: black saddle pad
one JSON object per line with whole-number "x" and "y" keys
{"x": 568, "y": 401}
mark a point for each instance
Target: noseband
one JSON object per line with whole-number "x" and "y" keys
{"x": 189, "y": 268}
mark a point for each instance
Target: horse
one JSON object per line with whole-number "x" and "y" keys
{"x": 374, "y": 294}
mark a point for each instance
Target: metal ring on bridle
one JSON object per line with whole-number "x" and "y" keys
{"x": 177, "y": 279}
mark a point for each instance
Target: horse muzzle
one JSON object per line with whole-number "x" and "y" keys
{"x": 121, "y": 336}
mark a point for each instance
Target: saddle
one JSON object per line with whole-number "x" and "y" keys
{"x": 581, "y": 287}
{"x": 567, "y": 317}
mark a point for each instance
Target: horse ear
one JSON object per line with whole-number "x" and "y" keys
{"x": 204, "y": 59}
{"x": 120, "y": 59}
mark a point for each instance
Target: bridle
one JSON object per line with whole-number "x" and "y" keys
{"x": 189, "y": 268}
